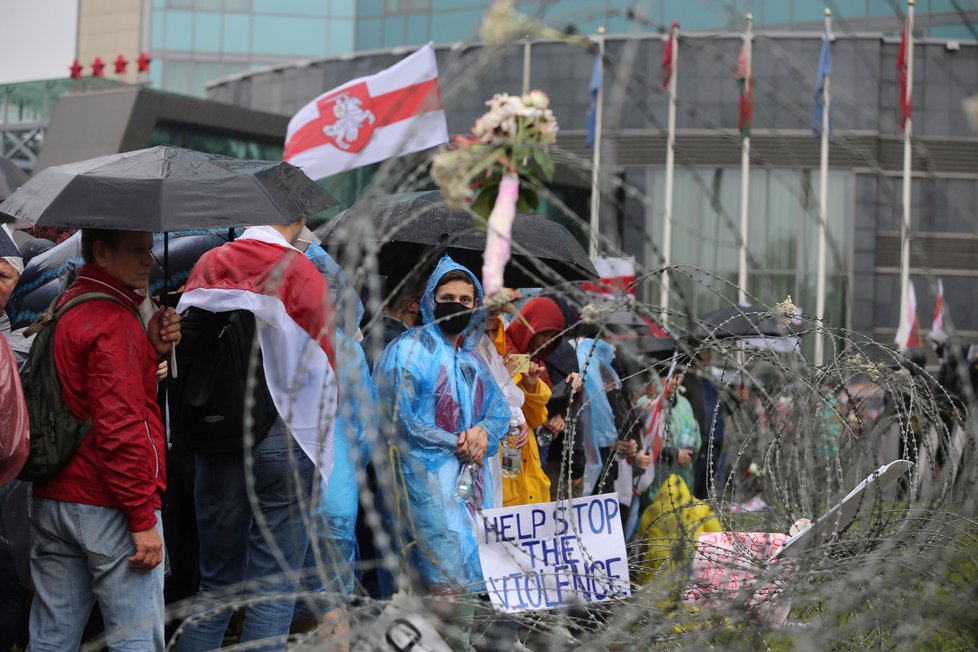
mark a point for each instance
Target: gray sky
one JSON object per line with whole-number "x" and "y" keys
{"x": 38, "y": 39}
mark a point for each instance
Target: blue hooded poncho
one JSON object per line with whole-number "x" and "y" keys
{"x": 597, "y": 418}
{"x": 435, "y": 391}
{"x": 356, "y": 425}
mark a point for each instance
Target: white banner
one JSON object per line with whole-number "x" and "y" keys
{"x": 554, "y": 554}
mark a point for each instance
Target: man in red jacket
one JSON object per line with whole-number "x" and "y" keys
{"x": 97, "y": 533}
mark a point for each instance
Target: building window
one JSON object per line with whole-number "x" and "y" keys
{"x": 406, "y": 6}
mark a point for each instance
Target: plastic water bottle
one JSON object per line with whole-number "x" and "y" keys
{"x": 544, "y": 439}
{"x": 465, "y": 483}
{"x": 512, "y": 460}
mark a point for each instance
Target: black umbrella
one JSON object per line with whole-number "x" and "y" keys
{"x": 42, "y": 281}
{"x": 11, "y": 177}
{"x": 740, "y": 321}
{"x": 45, "y": 276}
{"x": 185, "y": 249}
{"x": 416, "y": 226}
{"x": 167, "y": 188}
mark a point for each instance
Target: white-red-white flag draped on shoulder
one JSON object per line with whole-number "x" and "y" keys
{"x": 394, "y": 112}
{"x": 262, "y": 273}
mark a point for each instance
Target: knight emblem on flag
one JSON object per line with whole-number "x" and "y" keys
{"x": 369, "y": 119}
{"x": 346, "y": 119}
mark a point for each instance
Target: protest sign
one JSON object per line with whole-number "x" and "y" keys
{"x": 553, "y": 554}
{"x": 726, "y": 570}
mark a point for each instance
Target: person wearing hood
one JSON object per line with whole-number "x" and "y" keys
{"x": 538, "y": 330}
{"x": 448, "y": 418}
{"x": 527, "y": 395}
{"x": 600, "y": 430}
{"x": 331, "y": 555}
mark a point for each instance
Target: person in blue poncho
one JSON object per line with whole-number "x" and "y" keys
{"x": 597, "y": 417}
{"x": 448, "y": 413}
{"x": 332, "y": 552}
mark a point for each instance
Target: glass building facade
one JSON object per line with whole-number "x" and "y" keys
{"x": 194, "y": 42}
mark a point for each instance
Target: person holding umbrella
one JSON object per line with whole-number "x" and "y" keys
{"x": 97, "y": 533}
{"x": 166, "y": 189}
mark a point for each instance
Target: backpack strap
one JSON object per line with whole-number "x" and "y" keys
{"x": 55, "y": 313}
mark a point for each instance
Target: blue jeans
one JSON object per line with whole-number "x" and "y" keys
{"x": 80, "y": 554}
{"x": 239, "y": 556}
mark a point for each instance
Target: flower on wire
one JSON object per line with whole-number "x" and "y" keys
{"x": 503, "y": 25}
{"x": 512, "y": 137}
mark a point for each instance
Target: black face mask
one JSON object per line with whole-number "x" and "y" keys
{"x": 453, "y": 317}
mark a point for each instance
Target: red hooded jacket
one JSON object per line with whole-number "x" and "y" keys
{"x": 107, "y": 368}
{"x": 541, "y": 315}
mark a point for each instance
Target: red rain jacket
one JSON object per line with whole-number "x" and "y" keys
{"x": 107, "y": 367}
{"x": 540, "y": 315}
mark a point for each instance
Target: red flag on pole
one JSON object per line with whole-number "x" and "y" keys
{"x": 906, "y": 104}
{"x": 743, "y": 76}
{"x": 667, "y": 63}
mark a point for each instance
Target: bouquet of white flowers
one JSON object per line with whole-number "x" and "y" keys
{"x": 513, "y": 137}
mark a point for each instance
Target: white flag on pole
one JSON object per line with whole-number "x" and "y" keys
{"x": 908, "y": 333}
{"x": 394, "y": 112}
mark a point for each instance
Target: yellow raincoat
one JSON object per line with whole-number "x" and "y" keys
{"x": 669, "y": 530}
{"x": 532, "y": 485}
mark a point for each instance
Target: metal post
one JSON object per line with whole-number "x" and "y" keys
{"x": 823, "y": 197}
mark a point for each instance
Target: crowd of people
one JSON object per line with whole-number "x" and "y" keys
{"x": 251, "y": 445}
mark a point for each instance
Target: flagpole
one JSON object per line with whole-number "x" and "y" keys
{"x": 745, "y": 173}
{"x": 526, "y": 66}
{"x": 823, "y": 197}
{"x": 907, "y": 129}
{"x": 670, "y": 164}
{"x": 596, "y": 154}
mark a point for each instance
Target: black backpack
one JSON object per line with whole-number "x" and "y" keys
{"x": 55, "y": 432}
{"x": 207, "y": 398}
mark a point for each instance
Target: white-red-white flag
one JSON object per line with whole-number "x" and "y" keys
{"x": 938, "y": 324}
{"x": 615, "y": 276}
{"x": 262, "y": 273}
{"x": 908, "y": 333}
{"x": 394, "y": 112}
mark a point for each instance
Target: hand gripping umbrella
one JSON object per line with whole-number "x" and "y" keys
{"x": 417, "y": 225}
{"x": 165, "y": 189}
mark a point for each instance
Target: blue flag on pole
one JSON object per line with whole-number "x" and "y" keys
{"x": 824, "y": 70}
{"x": 593, "y": 109}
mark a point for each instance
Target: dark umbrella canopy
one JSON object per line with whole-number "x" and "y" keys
{"x": 47, "y": 274}
{"x": 167, "y": 188}
{"x": 42, "y": 281}
{"x": 11, "y": 178}
{"x": 185, "y": 250}
{"x": 415, "y": 225}
{"x": 740, "y": 321}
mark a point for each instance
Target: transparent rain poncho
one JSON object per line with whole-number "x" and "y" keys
{"x": 434, "y": 392}
{"x": 597, "y": 419}
{"x": 356, "y": 425}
